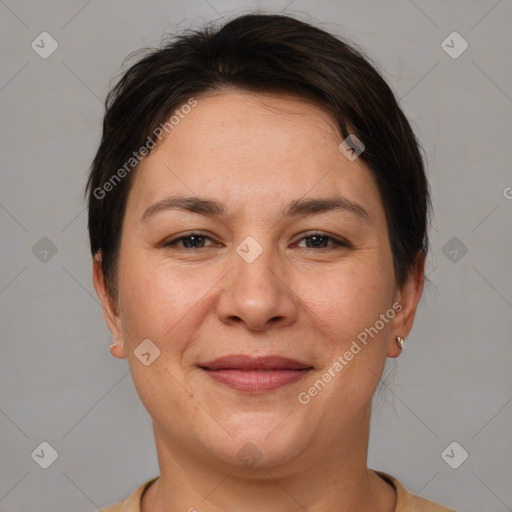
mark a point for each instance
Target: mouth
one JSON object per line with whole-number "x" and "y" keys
{"x": 255, "y": 375}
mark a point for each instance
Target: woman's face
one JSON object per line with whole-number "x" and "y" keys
{"x": 271, "y": 269}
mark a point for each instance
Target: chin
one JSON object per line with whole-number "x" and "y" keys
{"x": 262, "y": 441}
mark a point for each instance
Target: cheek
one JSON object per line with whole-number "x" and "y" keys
{"x": 347, "y": 308}
{"x": 349, "y": 297}
{"x": 161, "y": 304}
{"x": 158, "y": 301}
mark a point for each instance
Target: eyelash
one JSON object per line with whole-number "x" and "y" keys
{"x": 173, "y": 243}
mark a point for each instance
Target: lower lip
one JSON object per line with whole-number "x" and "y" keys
{"x": 257, "y": 380}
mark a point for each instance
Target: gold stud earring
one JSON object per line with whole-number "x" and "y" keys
{"x": 400, "y": 342}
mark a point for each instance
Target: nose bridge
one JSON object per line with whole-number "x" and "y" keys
{"x": 252, "y": 261}
{"x": 254, "y": 293}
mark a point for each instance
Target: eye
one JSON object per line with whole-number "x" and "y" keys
{"x": 316, "y": 240}
{"x": 190, "y": 241}
{"x": 319, "y": 240}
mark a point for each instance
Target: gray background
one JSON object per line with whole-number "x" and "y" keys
{"x": 58, "y": 382}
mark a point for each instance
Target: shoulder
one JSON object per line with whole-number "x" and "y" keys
{"x": 132, "y": 503}
{"x": 407, "y": 502}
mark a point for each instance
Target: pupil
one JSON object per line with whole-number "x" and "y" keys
{"x": 316, "y": 240}
{"x": 193, "y": 240}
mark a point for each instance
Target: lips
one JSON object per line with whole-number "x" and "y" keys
{"x": 255, "y": 375}
{"x": 240, "y": 362}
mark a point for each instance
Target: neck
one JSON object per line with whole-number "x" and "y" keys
{"x": 337, "y": 480}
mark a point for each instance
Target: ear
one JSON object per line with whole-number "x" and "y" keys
{"x": 110, "y": 309}
{"x": 408, "y": 296}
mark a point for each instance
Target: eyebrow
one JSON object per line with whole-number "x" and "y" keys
{"x": 321, "y": 205}
{"x": 299, "y": 207}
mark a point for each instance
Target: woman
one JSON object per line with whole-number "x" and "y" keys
{"x": 258, "y": 215}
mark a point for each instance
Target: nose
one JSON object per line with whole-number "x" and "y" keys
{"x": 256, "y": 293}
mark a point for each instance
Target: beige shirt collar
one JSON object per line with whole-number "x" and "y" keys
{"x": 406, "y": 502}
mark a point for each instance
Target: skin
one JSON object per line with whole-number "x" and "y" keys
{"x": 256, "y": 153}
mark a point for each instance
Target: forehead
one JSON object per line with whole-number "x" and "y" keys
{"x": 251, "y": 146}
{"x": 236, "y": 123}
{"x": 234, "y": 107}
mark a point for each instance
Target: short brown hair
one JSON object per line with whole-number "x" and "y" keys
{"x": 261, "y": 53}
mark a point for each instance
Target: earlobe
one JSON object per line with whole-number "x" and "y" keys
{"x": 117, "y": 349}
{"x": 408, "y": 295}
{"x": 396, "y": 345}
